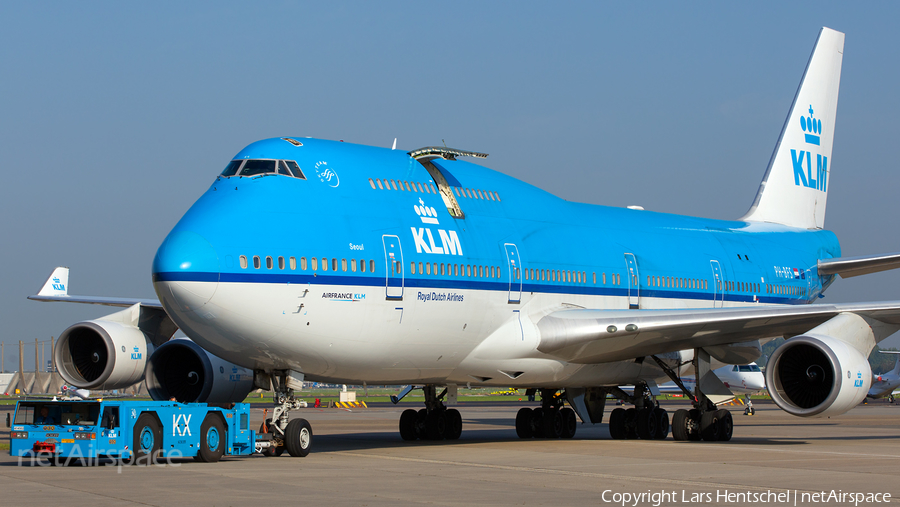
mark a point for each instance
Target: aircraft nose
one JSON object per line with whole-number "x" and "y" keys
{"x": 185, "y": 270}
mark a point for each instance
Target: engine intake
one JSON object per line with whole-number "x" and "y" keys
{"x": 183, "y": 370}
{"x": 98, "y": 353}
{"x": 817, "y": 376}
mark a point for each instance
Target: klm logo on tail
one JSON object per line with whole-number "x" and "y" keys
{"x": 58, "y": 285}
{"x": 812, "y": 127}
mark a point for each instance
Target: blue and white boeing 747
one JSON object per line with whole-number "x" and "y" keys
{"x": 328, "y": 261}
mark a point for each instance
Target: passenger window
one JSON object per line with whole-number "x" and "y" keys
{"x": 353, "y": 265}
{"x": 378, "y": 181}
{"x": 232, "y": 168}
{"x": 412, "y": 268}
{"x": 254, "y": 167}
{"x": 268, "y": 262}
{"x": 394, "y": 184}
{"x": 372, "y": 183}
{"x": 334, "y": 264}
{"x": 344, "y": 265}
{"x": 280, "y": 262}
{"x": 442, "y": 269}
{"x": 497, "y": 196}
{"x": 407, "y": 186}
{"x": 595, "y": 277}
{"x": 243, "y": 262}
{"x": 387, "y": 185}
{"x": 293, "y": 263}
{"x": 295, "y": 169}
{"x": 371, "y": 266}
{"x": 427, "y": 268}
{"x": 362, "y": 265}
{"x": 256, "y": 261}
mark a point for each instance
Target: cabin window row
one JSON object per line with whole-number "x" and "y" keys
{"x": 487, "y": 195}
{"x": 443, "y": 269}
{"x": 785, "y": 290}
{"x": 558, "y": 275}
{"x": 313, "y": 264}
{"x": 386, "y": 184}
{"x": 675, "y": 282}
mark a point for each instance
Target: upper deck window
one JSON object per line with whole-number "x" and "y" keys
{"x": 256, "y": 167}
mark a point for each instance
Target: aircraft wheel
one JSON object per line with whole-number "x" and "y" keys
{"x": 408, "y": 424}
{"x": 266, "y": 427}
{"x": 454, "y": 424}
{"x": 553, "y": 423}
{"x": 537, "y": 422}
{"x": 631, "y": 423}
{"x": 662, "y": 423}
{"x": 212, "y": 439}
{"x": 646, "y": 424}
{"x": 147, "y": 440}
{"x": 694, "y": 427}
{"x": 436, "y": 425}
{"x": 726, "y": 425}
{"x": 617, "y": 424}
{"x": 891, "y": 398}
{"x": 298, "y": 438}
{"x": 523, "y": 423}
{"x": 680, "y": 425}
{"x": 569, "y": 422}
{"x": 709, "y": 426}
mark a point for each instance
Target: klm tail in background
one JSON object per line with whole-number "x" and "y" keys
{"x": 794, "y": 189}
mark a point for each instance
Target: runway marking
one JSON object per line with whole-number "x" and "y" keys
{"x": 680, "y": 482}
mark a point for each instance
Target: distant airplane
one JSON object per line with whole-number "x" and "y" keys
{"x": 326, "y": 261}
{"x": 744, "y": 380}
{"x": 887, "y": 383}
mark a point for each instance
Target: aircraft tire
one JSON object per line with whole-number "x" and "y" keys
{"x": 537, "y": 422}
{"x": 726, "y": 425}
{"x": 298, "y": 438}
{"x": 523, "y": 423}
{"x": 680, "y": 422}
{"x": 662, "y": 423}
{"x": 631, "y": 423}
{"x": 212, "y": 439}
{"x": 408, "y": 424}
{"x": 436, "y": 425}
{"x": 454, "y": 424}
{"x": 569, "y": 422}
{"x": 266, "y": 427}
{"x": 709, "y": 426}
{"x": 617, "y": 424}
{"x": 646, "y": 424}
{"x": 694, "y": 428}
{"x": 553, "y": 423}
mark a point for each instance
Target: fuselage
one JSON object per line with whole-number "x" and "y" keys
{"x": 362, "y": 271}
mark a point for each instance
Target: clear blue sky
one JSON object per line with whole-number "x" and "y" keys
{"x": 116, "y": 116}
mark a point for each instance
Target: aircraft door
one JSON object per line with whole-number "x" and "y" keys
{"x": 718, "y": 284}
{"x": 393, "y": 263}
{"x": 634, "y": 282}
{"x": 515, "y": 272}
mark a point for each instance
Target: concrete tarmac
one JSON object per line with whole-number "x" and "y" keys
{"x": 358, "y": 458}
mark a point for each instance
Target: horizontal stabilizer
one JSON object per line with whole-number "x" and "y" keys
{"x": 849, "y": 267}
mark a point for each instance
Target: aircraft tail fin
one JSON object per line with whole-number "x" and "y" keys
{"x": 794, "y": 189}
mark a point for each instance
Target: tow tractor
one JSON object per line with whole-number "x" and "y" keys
{"x": 140, "y": 431}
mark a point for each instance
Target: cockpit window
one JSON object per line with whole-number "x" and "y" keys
{"x": 232, "y": 168}
{"x": 263, "y": 166}
{"x": 254, "y": 167}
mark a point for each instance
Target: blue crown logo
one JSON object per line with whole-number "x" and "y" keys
{"x": 812, "y": 127}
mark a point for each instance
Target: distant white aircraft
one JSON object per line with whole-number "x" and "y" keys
{"x": 886, "y": 384}
{"x": 73, "y": 392}
{"x": 745, "y": 379}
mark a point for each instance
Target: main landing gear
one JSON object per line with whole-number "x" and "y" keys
{"x": 550, "y": 420}
{"x": 281, "y": 433}
{"x": 704, "y": 421}
{"x": 434, "y": 422}
{"x": 646, "y": 420}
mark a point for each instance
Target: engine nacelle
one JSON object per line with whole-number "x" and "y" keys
{"x": 101, "y": 354}
{"x": 183, "y": 370}
{"x": 817, "y": 376}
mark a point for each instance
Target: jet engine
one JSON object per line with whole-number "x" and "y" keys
{"x": 819, "y": 375}
{"x": 101, "y": 354}
{"x": 183, "y": 370}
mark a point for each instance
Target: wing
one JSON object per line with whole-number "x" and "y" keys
{"x": 57, "y": 289}
{"x": 598, "y": 336}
